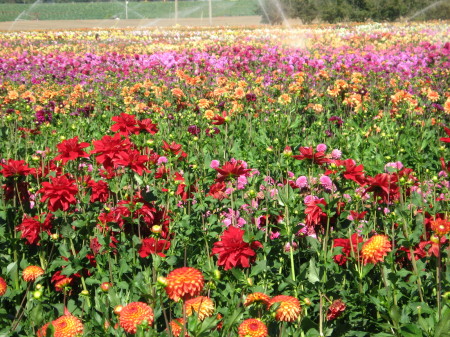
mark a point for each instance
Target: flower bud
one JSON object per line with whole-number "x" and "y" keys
{"x": 118, "y": 309}
{"x": 156, "y": 229}
{"x": 105, "y": 286}
{"x": 37, "y": 294}
{"x": 162, "y": 281}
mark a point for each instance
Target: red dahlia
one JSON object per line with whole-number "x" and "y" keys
{"x": 314, "y": 213}
{"x": 348, "y": 246}
{"x": 446, "y": 139}
{"x": 15, "y": 168}
{"x": 60, "y": 193}
{"x": 125, "y": 124}
{"x": 31, "y": 227}
{"x": 230, "y": 170}
{"x": 153, "y": 246}
{"x": 315, "y": 157}
{"x": 233, "y": 250}
{"x": 70, "y": 149}
{"x": 3, "y": 286}
{"x": 336, "y": 309}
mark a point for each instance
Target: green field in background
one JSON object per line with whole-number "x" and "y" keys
{"x": 116, "y": 9}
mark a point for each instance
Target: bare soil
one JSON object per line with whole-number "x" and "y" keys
{"x": 229, "y": 21}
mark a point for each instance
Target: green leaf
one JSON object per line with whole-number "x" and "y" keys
{"x": 258, "y": 268}
{"x": 410, "y": 330}
{"x": 313, "y": 271}
{"x": 366, "y": 269}
{"x": 443, "y": 326}
{"x": 36, "y": 314}
{"x": 138, "y": 179}
{"x": 395, "y": 314}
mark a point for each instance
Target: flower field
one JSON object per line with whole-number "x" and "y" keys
{"x": 199, "y": 182}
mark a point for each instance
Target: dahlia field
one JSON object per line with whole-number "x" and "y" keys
{"x": 237, "y": 183}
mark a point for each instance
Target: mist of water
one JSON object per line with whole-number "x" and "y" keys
{"x": 24, "y": 15}
{"x": 424, "y": 10}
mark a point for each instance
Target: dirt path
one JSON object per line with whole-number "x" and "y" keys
{"x": 135, "y": 23}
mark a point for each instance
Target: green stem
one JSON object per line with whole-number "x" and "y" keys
{"x": 438, "y": 279}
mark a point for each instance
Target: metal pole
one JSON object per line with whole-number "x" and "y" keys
{"x": 126, "y": 9}
{"x": 210, "y": 12}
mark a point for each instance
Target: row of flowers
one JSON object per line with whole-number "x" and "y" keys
{"x": 223, "y": 184}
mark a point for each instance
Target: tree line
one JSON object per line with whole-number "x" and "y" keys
{"x": 332, "y": 11}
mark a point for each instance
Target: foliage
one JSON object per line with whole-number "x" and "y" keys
{"x": 333, "y": 11}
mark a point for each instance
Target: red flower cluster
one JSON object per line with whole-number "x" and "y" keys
{"x": 233, "y": 250}
{"x": 127, "y": 124}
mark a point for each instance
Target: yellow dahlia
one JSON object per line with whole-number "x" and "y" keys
{"x": 252, "y": 328}
{"x": 176, "y": 326}
{"x": 289, "y": 309}
{"x": 441, "y": 227}
{"x": 256, "y": 298}
{"x": 3, "y": 286}
{"x": 202, "y": 306}
{"x": 183, "y": 283}
{"x": 67, "y": 326}
{"x": 375, "y": 249}
{"x": 134, "y": 314}
{"x": 42, "y": 331}
{"x": 31, "y": 273}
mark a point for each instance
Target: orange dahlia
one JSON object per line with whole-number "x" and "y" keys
{"x": 176, "y": 326}
{"x": 202, "y": 306}
{"x": 183, "y": 283}
{"x": 252, "y": 328}
{"x": 289, "y": 309}
{"x": 256, "y": 298}
{"x": 42, "y": 331}
{"x": 441, "y": 227}
{"x": 3, "y": 286}
{"x": 62, "y": 284}
{"x": 375, "y": 249}
{"x": 134, "y": 314}
{"x": 67, "y": 326}
{"x": 31, "y": 273}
